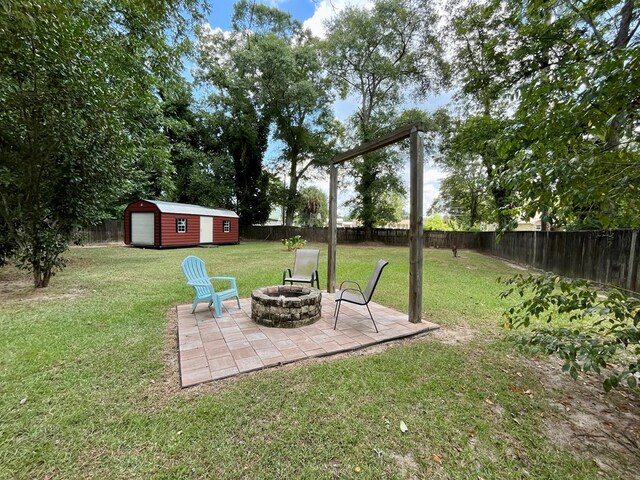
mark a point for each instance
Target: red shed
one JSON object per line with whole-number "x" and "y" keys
{"x": 152, "y": 223}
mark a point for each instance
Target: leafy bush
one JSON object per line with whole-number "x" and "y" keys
{"x": 294, "y": 242}
{"x": 605, "y": 325}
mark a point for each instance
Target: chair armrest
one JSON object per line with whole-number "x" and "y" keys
{"x": 284, "y": 274}
{"x": 228, "y": 279}
{"x": 350, "y": 289}
{"x": 350, "y": 281}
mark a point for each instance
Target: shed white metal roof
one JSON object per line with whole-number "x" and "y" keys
{"x": 171, "y": 207}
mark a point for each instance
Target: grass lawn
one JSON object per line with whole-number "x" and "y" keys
{"x": 88, "y": 385}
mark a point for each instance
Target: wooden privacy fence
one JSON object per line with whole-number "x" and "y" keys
{"x": 609, "y": 257}
{"x": 389, "y": 236}
{"x": 109, "y": 231}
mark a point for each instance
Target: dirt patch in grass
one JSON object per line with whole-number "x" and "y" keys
{"x": 407, "y": 466}
{"x": 21, "y": 293}
{"x": 458, "y": 335}
{"x": 169, "y": 385}
{"x": 14, "y": 288}
{"x": 603, "y": 426}
{"x": 18, "y": 288}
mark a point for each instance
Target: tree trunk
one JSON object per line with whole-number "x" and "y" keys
{"x": 290, "y": 208}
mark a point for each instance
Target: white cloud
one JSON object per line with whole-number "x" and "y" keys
{"x": 434, "y": 175}
{"x": 429, "y": 194}
{"x": 326, "y": 9}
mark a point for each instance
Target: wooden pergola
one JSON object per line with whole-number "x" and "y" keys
{"x": 416, "y": 154}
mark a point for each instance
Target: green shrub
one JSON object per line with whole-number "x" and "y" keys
{"x": 294, "y": 242}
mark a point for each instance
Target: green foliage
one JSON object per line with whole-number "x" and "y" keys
{"x": 300, "y": 99}
{"x": 475, "y": 190}
{"x": 236, "y": 70}
{"x": 313, "y": 209}
{"x": 203, "y": 169}
{"x": 78, "y": 122}
{"x": 581, "y": 147}
{"x": 437, "y": 223}
{"x": 606, "y": 327}
{"x": 294, "y": 242}
{"x": 465, "y": 195}
{"x": 378, "y": 55}
{"x": 268, "y": 78}
{"x": 570, "y": 145}
{"x": 566, "y": 147}
{"x": 6, "y": 245}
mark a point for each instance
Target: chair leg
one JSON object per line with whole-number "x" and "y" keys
{"x": 336, "y": 312}
{"x": 195, "y": 304}
{"x": 209, "y": 307}
{"x": 218, "y": 306}
{"x": 374, "y": 322}
{"x": 238, "y": 300}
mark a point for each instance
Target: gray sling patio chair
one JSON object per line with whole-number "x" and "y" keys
{"x": 305, "y": 268}
{"x": 356, "y": 295}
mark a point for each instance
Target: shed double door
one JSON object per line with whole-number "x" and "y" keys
{"x": 206, "y": 229}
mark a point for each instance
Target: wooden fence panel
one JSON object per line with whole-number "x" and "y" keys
{"x": 610, "y": 257}
{"x": 109, "y": 231}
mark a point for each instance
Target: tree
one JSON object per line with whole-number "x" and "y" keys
{"x": 313, "y": 207}
{"x": 301, "y": 103}
{"x": 237, "y": 71}
{"x": 584, "y": 146}
{"x": 437, "y": 223}
{"x": 203, "y": 168}
{"x": 569, "y": 71}
{"x": 464, "y": 195}
{"x": 268, "y": 75}
{"x": 377, "y": 55}
{"x": 482, "y": 43}
{"x": 76, "y": 78}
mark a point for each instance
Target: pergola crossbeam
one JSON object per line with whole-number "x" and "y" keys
{"x": 380, "y": 142}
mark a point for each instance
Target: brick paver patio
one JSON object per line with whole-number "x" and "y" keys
{"x": 214, "y": 348}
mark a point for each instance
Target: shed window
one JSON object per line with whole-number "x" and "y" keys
{"x": 226, "y": 226}
{"x": 181, "y": 225}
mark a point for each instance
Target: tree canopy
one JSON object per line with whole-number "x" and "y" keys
{"x": 269, "y": 83}
{"x": 379, "y": 55}
{"x": 77, "y": 84}
{"x": 568, "y": 141}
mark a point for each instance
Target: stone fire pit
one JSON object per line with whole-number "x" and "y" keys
{"x": 286, "y": 306}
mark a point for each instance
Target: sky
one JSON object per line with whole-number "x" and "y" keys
{"x": 313, "y": 14}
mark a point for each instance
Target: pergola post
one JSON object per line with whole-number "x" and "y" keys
{"x": 333, "y": 227}
{"x": 416, "y": 151}
{"x": 416, "y": 235}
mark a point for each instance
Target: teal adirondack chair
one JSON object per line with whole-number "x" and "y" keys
{"x": 197, "y": 277}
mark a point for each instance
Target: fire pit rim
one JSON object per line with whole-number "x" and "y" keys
{"x": 286, "y": 312}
